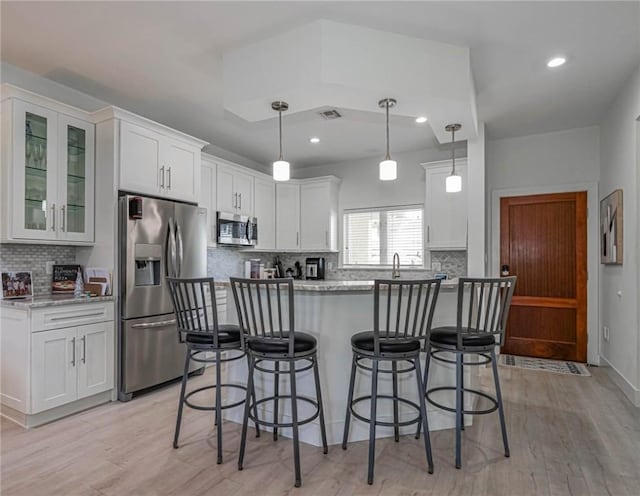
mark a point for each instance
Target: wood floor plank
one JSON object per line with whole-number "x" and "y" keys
{"x": 568, "y": 435}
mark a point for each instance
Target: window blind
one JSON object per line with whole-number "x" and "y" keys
{"x": 371, "y": 237}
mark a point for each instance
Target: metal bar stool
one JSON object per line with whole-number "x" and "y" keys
{"x": 203, "y": 335}
{"x": 397, "y": 340}
{"x": 266, "y": 314}
{"x": 484, "y": 304}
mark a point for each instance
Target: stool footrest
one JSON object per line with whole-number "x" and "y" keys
{"x": 386, "y": 371}
{"x": 212, "y": 386}
{"x": 381, "y": 422}
{"x": 494, "y": 402}
{"x": 435, "y": 355}
{"x": 283, "y": 424}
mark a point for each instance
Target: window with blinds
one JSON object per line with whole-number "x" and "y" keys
{"x": 372, "y": 236}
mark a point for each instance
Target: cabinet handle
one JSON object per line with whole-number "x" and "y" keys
{"x": 63, "y": 211}
{"x": 53, "y": 217}
{"x": 240, "y": 201}
{"x": 162, "y": 177}
{"x": 297, "y": 239}
{"x": 428, "y": 233}
{"x": 84, "y": 349}
{"x": 79, "y": 316}
{"x": 169, "y": 178}
{"x": 326, "y": 239}
{"x": 73, "y": 352}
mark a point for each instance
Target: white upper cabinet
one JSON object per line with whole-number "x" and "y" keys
{"x": 319, "y": 215}
{"x": 208, "y": 198}
{"x": 445, "y": 213}
{"x": 154, "y": 162}
{"x": 287, "y": 216}
{"x": 264, "y": 201}
{"x": 47, "y": 169}
{"x": 234, "y": 191}
{"x": 307, "y": 214}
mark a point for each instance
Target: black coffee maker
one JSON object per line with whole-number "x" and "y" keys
{"x": 314, "y": 268}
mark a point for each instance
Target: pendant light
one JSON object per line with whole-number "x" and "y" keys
{"x": 280, "y": 166}
{"x": 388, "y": 167}
{"x": 453, "y": 182}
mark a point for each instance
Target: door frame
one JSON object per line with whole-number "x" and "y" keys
{"x": 593, "y": 352}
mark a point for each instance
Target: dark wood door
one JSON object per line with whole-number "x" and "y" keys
{"x": 543, "y": 241}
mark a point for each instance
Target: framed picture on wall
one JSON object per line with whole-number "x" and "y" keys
{"x": 16, "y": 285}
{"x": 611, "y": 228}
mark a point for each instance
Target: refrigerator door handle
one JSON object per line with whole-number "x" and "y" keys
{"x": 171, "y": 250}
{"x": 180, "y": 250}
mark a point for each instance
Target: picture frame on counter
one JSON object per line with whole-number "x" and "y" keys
{"x": 16, "y": 284}
{"x": 63, "y": 280}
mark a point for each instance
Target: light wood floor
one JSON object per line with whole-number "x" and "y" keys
{"x": 569, "y": 435}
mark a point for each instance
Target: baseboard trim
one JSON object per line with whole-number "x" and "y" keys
{"x": 37, "y": 419}
{"x": 629, "y": 390}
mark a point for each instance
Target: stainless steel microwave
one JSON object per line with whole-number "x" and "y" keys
{"x": 234, "y": 229}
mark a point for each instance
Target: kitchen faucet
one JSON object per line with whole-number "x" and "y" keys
{"x": 395, "y": 271}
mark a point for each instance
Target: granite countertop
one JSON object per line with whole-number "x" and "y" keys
{"x": 51, "y": 301}
{"x": 334, "y": 286}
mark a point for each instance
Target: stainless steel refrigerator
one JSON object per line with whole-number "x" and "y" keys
{"x": 157, "y": 239}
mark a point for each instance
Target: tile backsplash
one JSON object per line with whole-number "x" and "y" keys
{"x": 225, "y": 262}
{"x": 33, "y": 258}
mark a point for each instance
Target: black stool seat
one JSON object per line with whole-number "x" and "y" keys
{"x": 302, "y": 342}
{"x": 365, "y": 341}
{"x": 482, "y": 313}
{"x": 267, "y": 319}
{"x": 206, "y": 342}
{"x": 448, "y": 336}
{"x": 227, "y": 334}
{"x": 399, "y": 329}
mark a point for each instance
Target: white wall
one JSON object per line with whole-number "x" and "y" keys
{"x": 619, "y": 283}
{"x": 361, "y": 187}
{"x": 548, "y": 163}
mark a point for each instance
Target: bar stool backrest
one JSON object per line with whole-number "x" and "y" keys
{"x": 189, "y": 297}
{"x": 483, "y": 306}
{"x": 403, "y": 309}
{"x": 265, "y": 309}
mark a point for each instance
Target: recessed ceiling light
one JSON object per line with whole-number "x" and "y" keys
{"x": 314, "y": 140}
{"x": 556, "y": 62}
{"x": 421, "y": 120}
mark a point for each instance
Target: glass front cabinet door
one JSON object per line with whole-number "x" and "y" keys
{"x": 52, "y": 171}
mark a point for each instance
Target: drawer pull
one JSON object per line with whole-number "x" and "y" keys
{"x": 84, "y": 315}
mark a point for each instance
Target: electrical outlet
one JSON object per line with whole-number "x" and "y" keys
{"x": 605, "y": 333}
{"x": 436, "y": 266}
{"x": 49, "y": 267}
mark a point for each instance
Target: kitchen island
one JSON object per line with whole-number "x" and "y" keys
{"x": 333, "y": 311}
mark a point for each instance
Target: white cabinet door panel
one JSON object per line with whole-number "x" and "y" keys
{"x": 208, "y": 199}
{"x": 265, "y": 212}
{"x": 287, "y": 216}
{"x": 181, "y": 163}
{"x": 34, "y": 172}
{"x": 225, "y": 196}
{"x": 243, "y": 187}
{"x": 95, "y": 358}
{"x": 54, "y": 360}
{"x": 446, "y": 213}
{"x": 140, "y": 151}
{"x": 315, "y": 213}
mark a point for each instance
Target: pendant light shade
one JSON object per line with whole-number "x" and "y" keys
{"x": 388, "y": 167}
{"x": 281, "y": 169}
{"x": 453, "y": 183}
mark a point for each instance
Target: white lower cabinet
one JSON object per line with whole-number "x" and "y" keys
{"x": 53, "y": 357}
{"x": 70, "y": 364}
{"x": 54, "y": 374}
